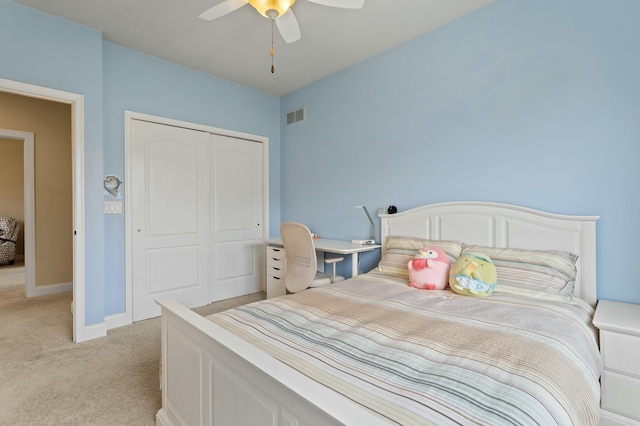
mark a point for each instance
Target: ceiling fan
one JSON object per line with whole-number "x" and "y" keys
{"x": 278, "y": 10}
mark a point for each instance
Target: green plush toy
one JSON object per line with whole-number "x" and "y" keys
{"x": 473, "y": 274}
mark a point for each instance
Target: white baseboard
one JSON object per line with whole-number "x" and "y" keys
{"x": 116, "y": 320}
{"x": 96, "y": 331}
{"x": 46, "y": 290}
{"x": 93, "y": 331}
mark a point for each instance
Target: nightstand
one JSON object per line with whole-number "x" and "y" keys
{"x": 619, "y": 325}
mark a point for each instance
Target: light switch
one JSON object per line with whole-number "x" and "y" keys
{"x": 113, "y": 207}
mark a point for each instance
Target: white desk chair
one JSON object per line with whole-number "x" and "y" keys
{"x": 302, "y": 264}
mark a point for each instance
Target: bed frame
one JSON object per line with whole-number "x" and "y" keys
{"x": 210, "y": 376}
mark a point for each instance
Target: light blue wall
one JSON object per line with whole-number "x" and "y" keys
{"x": 141, "y": 83}
{"x": 530, "y": 102}
{"x": 43, "y": 50}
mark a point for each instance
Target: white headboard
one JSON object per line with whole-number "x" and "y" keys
{"x": 504, "y": 225}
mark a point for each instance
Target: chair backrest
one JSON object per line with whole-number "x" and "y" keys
{"x": 302, "y": 263}
{"x": 9, "y": 229}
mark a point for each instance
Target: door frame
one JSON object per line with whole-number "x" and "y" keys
{"x": 129, "y": 116}
{"x": 27, "y": 139}
{"x": 76, "y": 101}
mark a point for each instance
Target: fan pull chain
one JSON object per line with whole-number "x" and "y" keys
{"x": 272, "y": 51}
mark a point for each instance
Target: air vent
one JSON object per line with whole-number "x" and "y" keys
{"x": 295, "y": 116}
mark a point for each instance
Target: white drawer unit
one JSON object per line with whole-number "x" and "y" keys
{"x": 619, "y": 325}
{"x": 276, "y": 267}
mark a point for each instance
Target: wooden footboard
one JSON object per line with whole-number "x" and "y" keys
{"x": 210, "y": 376}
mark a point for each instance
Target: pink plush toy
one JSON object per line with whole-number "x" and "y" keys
{"x": 429, "y": 269}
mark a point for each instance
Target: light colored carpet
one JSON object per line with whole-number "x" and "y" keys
{"x": 46, "y": 379}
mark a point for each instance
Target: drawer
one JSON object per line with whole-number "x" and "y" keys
{"x": 621, "y": 352}
{"x": 275, "y": 263}
{"x": 275, "y": 287}
{"x": 275, "y": 252}
{"x": 620, "y": 394}
{"x": 273, "y": 271}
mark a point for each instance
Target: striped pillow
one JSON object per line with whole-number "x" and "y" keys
{"x": 532, "y": 272}
{"x": 398, "y": 251}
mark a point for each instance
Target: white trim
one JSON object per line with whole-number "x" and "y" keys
{"x": 46, "y": 290}
{"x": 94, "y": 331}
{"x": 129, "y": 116}
{"x": 116, "y": 320}
{"x": 27, "y": 139}
{"x": 80, "y": 331}
{"x": 29, "y": 214}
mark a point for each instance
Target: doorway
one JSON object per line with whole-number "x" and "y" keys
{"x": 76, "y": 102}
{"x": 27, "y": 139}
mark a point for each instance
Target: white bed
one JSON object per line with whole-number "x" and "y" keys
{"x": 212, "y": 376}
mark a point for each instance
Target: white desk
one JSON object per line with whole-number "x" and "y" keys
{"x": 338, "y": 247}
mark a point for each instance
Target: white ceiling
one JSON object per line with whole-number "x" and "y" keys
{"x": 236, "y": 46}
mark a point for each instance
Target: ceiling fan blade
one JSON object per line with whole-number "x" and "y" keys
{"x": 343, "y": 4}
{"x": 222, "y": 9}
{"x": 288, "y": 27}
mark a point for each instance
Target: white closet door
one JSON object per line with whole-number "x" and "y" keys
{"x": 237, "y": 216}
{"x": 171, "y": 211}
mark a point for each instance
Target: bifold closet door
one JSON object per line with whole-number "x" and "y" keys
{"x": 197, "y": 217}
{"x": 171, "y": 209}
{"x": 238, "y": 249}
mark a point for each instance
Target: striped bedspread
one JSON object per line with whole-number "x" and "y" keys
{"x": 434, "y": 357}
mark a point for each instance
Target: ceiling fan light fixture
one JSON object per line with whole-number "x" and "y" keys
{"x": 272, "y": 8}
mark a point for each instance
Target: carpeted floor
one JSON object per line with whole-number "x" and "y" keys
{"x": 46, "y": 379}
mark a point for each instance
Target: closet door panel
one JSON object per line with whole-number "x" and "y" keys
{"x": 237, "y": 216}
{"x": 171, "y": 241}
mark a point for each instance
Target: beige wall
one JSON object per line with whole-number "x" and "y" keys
{"x": 50, "y": 122}
{"x": 12, "y": 185}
